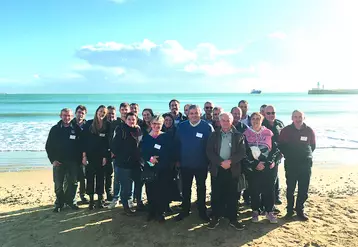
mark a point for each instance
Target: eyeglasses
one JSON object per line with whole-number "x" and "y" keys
{"x": 271, "y": 113}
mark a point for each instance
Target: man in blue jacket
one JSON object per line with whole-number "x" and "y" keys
{"x": 191, "y": 140}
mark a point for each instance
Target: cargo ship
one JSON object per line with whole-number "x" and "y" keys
{"x": 322, "y": 90}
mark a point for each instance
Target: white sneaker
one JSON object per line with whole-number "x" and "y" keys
{"x": 130, "y": 203}
{"x": 113, "y": 204}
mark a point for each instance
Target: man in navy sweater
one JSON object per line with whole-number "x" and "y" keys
{"x": 191, "y": 140}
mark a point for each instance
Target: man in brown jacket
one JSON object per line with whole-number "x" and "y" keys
{"x": 225, "y": 150}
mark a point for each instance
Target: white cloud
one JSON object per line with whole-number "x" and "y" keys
{"x": 277, "y": 35}
{"x": 167, "y": 59}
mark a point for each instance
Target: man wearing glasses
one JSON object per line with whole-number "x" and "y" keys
{"x": 208, "y": 116}
{"x": 275, "y": 126}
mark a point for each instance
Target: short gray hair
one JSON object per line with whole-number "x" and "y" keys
{"x": 196, "y": 107}
{"x": 231, "y": 117}
{"x": 66, "y": 110}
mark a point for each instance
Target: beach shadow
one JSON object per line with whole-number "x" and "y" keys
{"x": 39, "y": 226}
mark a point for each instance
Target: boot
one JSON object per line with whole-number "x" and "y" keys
{"x": 91, "y": 202}
{"x": 99, "y": 203}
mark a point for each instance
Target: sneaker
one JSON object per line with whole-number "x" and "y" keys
{"x": 255, "y": 217}
{"x": 213, "y": 223}
{"x": 278, "y": 201}
{"x": 289, "y": 214}
{"x": 271, "y": 217}
{"x": 113, "y": 204}
{"x": 302, "y": 216}
{"x": 131, "y": 203}
{"x": 181, "y": 216}
{"x": 129, "y": 211}
{"x": 237, "y": 225}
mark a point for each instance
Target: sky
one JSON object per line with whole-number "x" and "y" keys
{"x": 158, "y": 46}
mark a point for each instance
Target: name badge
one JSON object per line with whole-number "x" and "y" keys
{"x": 304, "y": 138}
{"x": 156, "y": 146}
{"x": 102, "y": 134}
{"x": 200, "y": 135}
{"x": 72, "y": 137}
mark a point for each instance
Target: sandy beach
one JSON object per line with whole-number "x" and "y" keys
{"x": 26, "y": 218}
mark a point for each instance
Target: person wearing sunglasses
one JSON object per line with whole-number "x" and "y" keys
{"x": 208, "y": 116}
{"x": 275, "y": 126}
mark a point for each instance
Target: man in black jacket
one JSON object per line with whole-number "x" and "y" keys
{"x": 297, "y": 142}
{"x": 80, "y": 120}
{"x": 275, "y": 126}
{"x": 64, "y": 152}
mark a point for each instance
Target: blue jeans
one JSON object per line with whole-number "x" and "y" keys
{"x": 116, "y": 183}
{"x": 126, "y": 184}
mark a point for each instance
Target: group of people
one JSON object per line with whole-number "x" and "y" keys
{"x": 166, "y": 152}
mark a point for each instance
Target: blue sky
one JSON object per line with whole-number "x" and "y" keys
{"x": 176, "y": 45}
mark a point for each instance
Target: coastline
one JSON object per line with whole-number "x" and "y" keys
{"x": 37, "y": 160}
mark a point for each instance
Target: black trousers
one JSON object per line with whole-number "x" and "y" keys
{"x": 138, "y": 184}
{"x": 158, "y": 193}
{"x": 82, "y": 179}
{"x": 95, "y": 176}
{"x": 65, "y": 193}
{"x": 300, "y": 174}
{"x": 262, "y": 186}
{"x": 187, "y": 181}
{"x": 224, "y": 195}
{"x": 108, "y": 175}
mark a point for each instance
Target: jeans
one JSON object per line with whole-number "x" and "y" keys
{"x": 187, "y": 180}
{"x": 126, "y": 185}
{"x": 116, "y": 183}
{"x": 302, "y": 176}
{"x": 224, "y": 195}
{"x": 65, "y": 194}
{"x": 263, "y": 183}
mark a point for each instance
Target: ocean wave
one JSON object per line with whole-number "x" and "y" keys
{"x": 29, "y": 114}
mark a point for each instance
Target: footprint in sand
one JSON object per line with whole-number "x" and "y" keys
{"x": 312, "y": 245}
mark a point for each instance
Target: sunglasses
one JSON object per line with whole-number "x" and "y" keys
{"x": 208, "y": 107}
{"x": 271, "y": 113}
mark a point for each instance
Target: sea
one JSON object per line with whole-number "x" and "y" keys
{"x": 25, "y": 120}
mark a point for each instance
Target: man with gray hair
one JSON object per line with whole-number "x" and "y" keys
{"x": 225, "y": 150}
{"x": 191, "y": 139}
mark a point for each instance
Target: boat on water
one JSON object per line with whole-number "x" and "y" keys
{"x": 322, "y": 90}
{"x": 255, "y": 91}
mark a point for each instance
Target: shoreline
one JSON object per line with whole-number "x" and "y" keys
{"x": 37, "y": 160}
